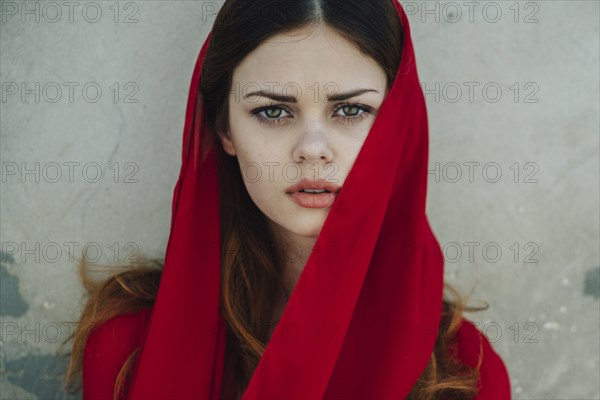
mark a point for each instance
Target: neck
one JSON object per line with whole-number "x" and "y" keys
{"x": 296, "y": 250}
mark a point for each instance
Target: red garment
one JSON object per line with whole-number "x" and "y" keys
{"x": 375, "y": 276}
{"x": 109, "y": 346}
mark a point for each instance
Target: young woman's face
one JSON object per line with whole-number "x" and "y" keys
{"x": 278, "y": 142}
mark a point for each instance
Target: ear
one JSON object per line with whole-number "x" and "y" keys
{"x": 227, "y": 143}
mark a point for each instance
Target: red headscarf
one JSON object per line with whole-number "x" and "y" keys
{"x": 363, "y": 318}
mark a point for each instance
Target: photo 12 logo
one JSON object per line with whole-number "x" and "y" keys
{"x": 71, "y": 92}
{"x": 53, "y": 252}
{"x": 476, "y": 92}
{"x": 53, "y": 12}
{"x": 472, "y": 11}
{"x": 68, "y": 172}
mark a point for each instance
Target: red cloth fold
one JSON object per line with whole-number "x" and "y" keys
{"x": 378, "y": 292}
{"x": 109, "y": 346}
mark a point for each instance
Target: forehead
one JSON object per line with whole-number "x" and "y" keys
{"x": 315, "y": 54}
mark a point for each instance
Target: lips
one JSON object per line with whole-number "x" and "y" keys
{"x": 313, "y": 200}
{"x": 309, "y": 184}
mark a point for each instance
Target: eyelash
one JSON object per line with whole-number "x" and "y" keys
{"x": 352, "y": 120}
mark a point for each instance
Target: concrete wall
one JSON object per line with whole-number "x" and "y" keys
{"x": 541, "y": 134}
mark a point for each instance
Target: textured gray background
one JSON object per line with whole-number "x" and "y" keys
{"x": 544, "y": 315}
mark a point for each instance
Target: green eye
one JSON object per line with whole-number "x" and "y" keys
{"x": 273, "y": 115}
{"x": 355, "y": 109}
{"x": 355, "y": 112}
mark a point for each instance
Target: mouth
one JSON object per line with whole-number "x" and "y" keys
{"x": 314, "y": 187}
{"x": 313, "y": 199}
{"x": 314, "y": 191}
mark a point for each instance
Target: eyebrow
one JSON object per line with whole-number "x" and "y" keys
{"x": 292, "y": 99}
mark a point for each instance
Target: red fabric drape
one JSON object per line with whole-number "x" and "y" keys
{"x": 362, "y": 320}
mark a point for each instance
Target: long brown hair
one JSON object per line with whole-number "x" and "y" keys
{"x": 251, "y": 267}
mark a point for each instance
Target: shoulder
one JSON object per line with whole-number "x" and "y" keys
{"x": 474, "y": 346}
{"x": 117, "y": 335}
{"x": 106, "y": 350}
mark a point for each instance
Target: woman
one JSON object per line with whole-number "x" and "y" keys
{"x": 272, "y": 288}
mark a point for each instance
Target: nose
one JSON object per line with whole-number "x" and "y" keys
{"x": 313, "y": 145}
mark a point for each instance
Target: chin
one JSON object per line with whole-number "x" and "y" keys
{"x": 307, "y": 231}
{"x": 303, "y": 222}
{"x": 307, "y": 226}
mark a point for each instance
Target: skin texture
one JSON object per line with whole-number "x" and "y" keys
{"x": 309, "y": 138}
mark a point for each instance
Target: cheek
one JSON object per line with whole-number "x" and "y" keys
{"x": 346, "y": 153}
{"x": 259, "y": 155}
{"x": 268, "y": 197}
{"x": 258, "y": 162}
{"x": 261, "y": 173}
{"x": 250, "y": 145}
{"x": 353, "y": 153}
